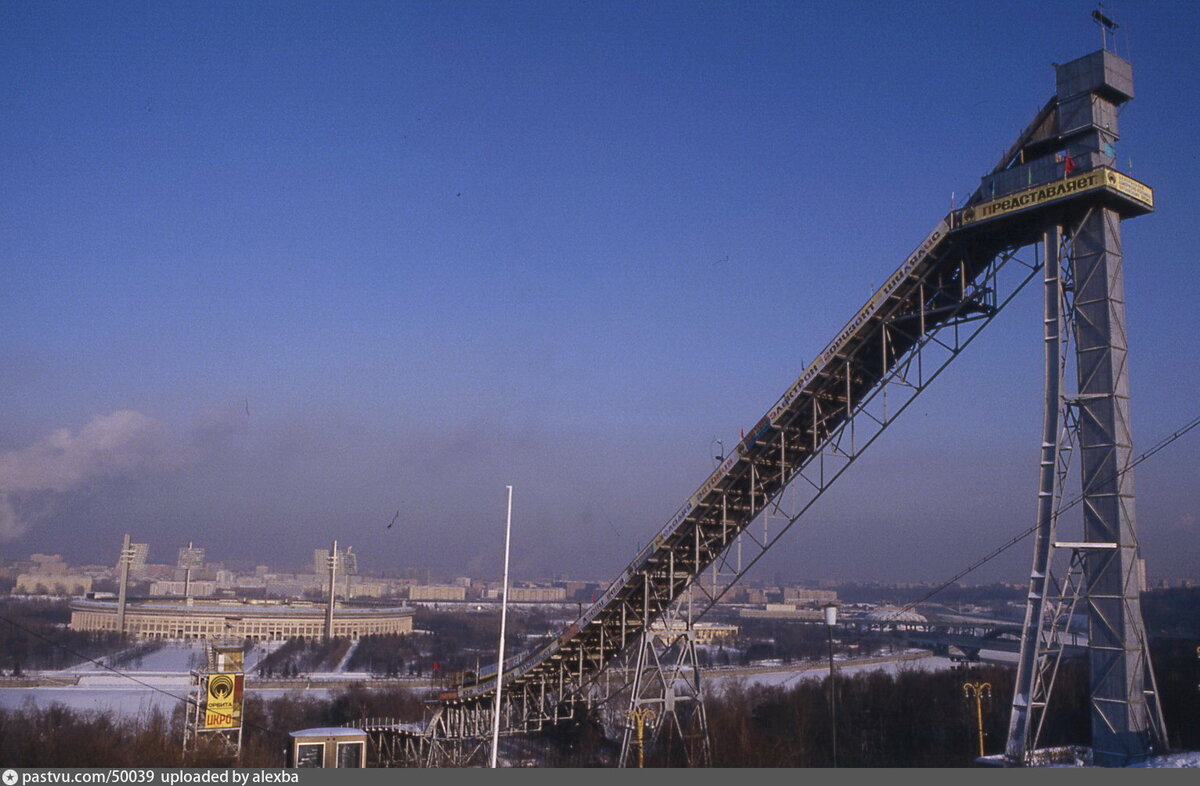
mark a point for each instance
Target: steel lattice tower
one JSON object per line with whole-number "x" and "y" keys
{"x": 1085, "y": 305}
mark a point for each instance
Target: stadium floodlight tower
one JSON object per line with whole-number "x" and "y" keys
{"x": 332, "y": 562}
{"x": 1089, "y": 427}
{"x": 133, "y": 555}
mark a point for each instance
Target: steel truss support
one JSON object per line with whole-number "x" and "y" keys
{"x": 1084, "y": 304}
{"x": 942, "y": 311}
{"x": 456, "y": 735}
{"x": 194, "y": 718}
{"x": 667, "y": 696}
{"x": 915, "y": 346}
{"x": 195, "y": 734}
{"x": 393, "y": 743}
{"x": 949, "y": 316}
{"x": 1041, "y": 649}
{"x": 454, "y": 752}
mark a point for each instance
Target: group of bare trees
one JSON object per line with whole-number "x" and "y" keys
{"x": 906, "y": 718}
{"x": 299, "y": 657}
{"x": 36, "y": 637}
{"x": 909, "y": 718}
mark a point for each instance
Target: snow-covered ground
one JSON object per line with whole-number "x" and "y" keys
{"x": 1076, "y": 758}
{"x": 346, "y": 658}
{"x": 123, "y": 697}
{"x": 260, "y": 651}
{"x": 1183, "y": 759}
{"x": 172, "y": 658}
{"x": 790, "y": 675}
{"x": 165, "y": 674}
{"x": 162, "y": 682}
{"x": 127, "y": 699}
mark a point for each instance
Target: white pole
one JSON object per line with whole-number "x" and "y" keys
{"x": 503, "y": 620}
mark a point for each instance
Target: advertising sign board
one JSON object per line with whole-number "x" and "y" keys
{"x": 223, "y": 701}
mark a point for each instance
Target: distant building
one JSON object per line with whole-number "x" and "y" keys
{"x": 199, "y": 589}
{"x": 752, "y": 595}
{"x": 96, "y": 571}
{"x": 48, "y": 565}
{"x": 368, "y": 589}
{"x": 50, "y": 575}
{"x": 527, "y": 594}
{"x": 294, "y": 586}
{"x": 536, "y": 594}
{"x": 436, "y": 592}
{"x": 417, "y": 575}
{"x": 781, "y": 611}
{"x": 579, "y": 590}
{"x": 262, "y": 621}
{"x": 43, "y": 584}
{"x": 320, "y": 563}
{"x": 804, "y": 595}
{"x": 152, "y": 572}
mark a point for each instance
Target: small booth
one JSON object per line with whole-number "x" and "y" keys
{"x": 328, "y": 747}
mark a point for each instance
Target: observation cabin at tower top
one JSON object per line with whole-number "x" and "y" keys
{"x": 1074, "y": 134}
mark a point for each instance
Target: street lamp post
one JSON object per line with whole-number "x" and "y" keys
{"x": 830, "y": 622}
{"x": 978, "y": 691}
{"x": 640, "y": 716}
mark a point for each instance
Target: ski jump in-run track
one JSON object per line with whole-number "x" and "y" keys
{"x": 966, "y": 269}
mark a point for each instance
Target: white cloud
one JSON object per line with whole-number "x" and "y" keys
{"x": 121, "y": 444}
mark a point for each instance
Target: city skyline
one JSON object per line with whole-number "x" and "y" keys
{"x": 230, "y": 577}
{"x": 278, "y": 278}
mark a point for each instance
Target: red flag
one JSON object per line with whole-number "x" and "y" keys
{"x": 436, "y": 665}
{"x": 1068, "y": 164}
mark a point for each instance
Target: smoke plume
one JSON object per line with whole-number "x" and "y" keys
{"x": 122, "y": 444}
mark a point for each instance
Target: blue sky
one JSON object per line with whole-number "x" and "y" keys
{"x": 335, "y": 260}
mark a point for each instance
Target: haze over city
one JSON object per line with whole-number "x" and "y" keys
{"x": 271, "y": 278}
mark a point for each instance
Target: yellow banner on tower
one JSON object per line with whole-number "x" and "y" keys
{"x": 223, "y": 700}
{"x": 1031, "y": 197}
{"x": 1131, "y": 188}
{"x": 1093, "y": 180}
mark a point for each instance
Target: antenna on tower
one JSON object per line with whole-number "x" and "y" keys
{"x": 1108, "y": 28}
